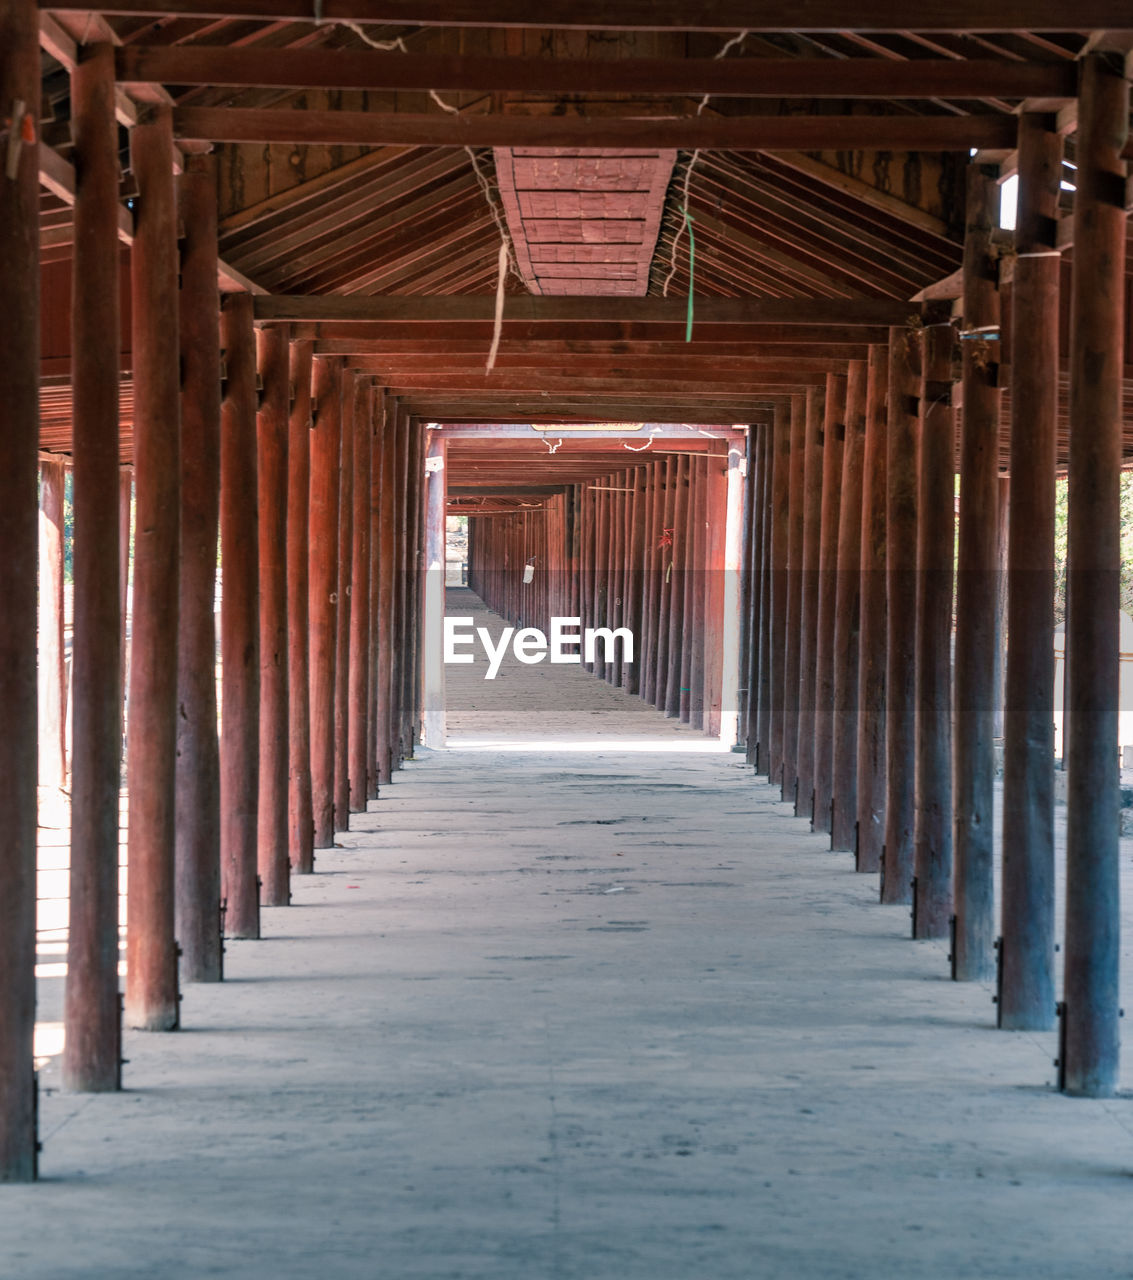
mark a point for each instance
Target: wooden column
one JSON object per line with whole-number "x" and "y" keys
{"x": 1090, "y": 1061}
{"x": 273, "y": 859}
{"x": 808, "y": 614}
{"x": 151, "y": 952}
{"x": 699, "y": 582}
{"x": 677, "y": 551}
{"x": 377, "y": 423}
{"x": 668, "y": 472}
{"x": 1026, "y": 947}
{"x": 834, "y": 438}
{"x": 19, "y": 394}
{"x": 763, "y": 638}
{"x": 197, "y": 840}
{"x": 847, "y": 616}
{"x": 384, "y": 553}
{"x": 902, "y": 431}
{"x": 300, "y": 816}
{"x": 791, "y": 665}
{"x": 977, "y": 590}
{"x": 434, "y": 591}
{"x": 398, "y": 561}
{"x": 635, "y": 576}
{"x": 91, "y": 1051}
{"x": 779, "y": 523}
{"x": 353, "y": 389}
{"x": 749, "y": 647}
{"x": 125, "y": 543}
{"x": 936, "y": 536}
{"x": 323, "y": 589}
{"x": 872, "y": 640}
{"x": 359, "y": 714}
{"x": 239, "y": 624}
{"x": 52, "y": 670}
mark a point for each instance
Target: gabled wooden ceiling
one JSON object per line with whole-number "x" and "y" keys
{"x": 818, "y": 223}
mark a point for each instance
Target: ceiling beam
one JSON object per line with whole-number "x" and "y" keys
{"x": 480, "y": 308}
{"x": 738, "y": 77}
{"x": 661, "y": 15}
{"x": 709, "y": 133}
{"x": 383, "y": 337}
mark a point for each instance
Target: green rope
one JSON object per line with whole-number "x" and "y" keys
{"x": 691, "y": 263}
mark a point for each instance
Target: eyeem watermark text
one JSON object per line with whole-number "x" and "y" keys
{"x": 530, "y": 645}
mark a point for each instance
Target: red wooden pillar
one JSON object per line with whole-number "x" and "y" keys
{"x": 359, "y": 714}
{"x": 932, "y": 842}
{"x": 373, "y": 536}
{"x": 833, "y": 447}
{"x": 763, "y": 631}
{"x": 668, "y": 473}
{"x": 749, "y": 595}
{"x": 794, "y": 598}
{"x": 677, "y": 552}
{"x": 352, "y": 389}
{"x": 19, "y": 394}
{"x": 52, "y": 670}
{"x": 808, "y": 624}
{"x": 902, "y": 431}
{"x": 636, "y": 575}
{"x": 91, "y": 1054}
{"x": 1026, "y": 947}
{"x": 398, "y": 629}
{"x": 699, "y": 595}
{"x": 151, "y": 952}
{"x": 778, "y": 529}
{"x": 872, "y": 639}
{"x": 977, "y": 592}
{"x": 125, "y": 543}
{"x": 1093, "y": 909}
{"x": 847, "y": 618}
{"x": 300, "y": 816}
{"x": 239, "y": 624}
{"x": 197, "y": 906}
{"x": 412, "y": 729}
{"x": 323, "y": 589}
{"x": 273, "y": 859}
{"x": 384, "y": 554}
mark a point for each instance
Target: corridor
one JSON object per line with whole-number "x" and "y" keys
{"x": 570, "y": 1010}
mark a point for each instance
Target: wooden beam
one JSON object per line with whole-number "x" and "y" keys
{"x": 58, "y": 176}
{"x": 659, "y": 15}
{"x": 746, "y": 133}
{"x": 624, "y": 338}
{"x": 322, "y": 68}
{"x": 471, "y": 309}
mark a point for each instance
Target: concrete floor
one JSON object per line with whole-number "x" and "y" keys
{"x": 573, "y": 1010}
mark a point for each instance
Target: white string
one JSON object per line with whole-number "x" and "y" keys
{"x": 553, "y": 448}
{"x": 692, "y": 163}
{"x": 507, "y": 259}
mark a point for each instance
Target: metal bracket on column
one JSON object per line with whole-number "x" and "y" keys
{"x": 997, "y": 999}
{"x": 952, "y": 944}
{"x": 1060, "y": 1061}
{"x": 881, "y": 875}
{"x": 913, "y": 912}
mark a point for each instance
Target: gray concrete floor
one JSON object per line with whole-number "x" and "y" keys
{"x": 561, "y": 1008}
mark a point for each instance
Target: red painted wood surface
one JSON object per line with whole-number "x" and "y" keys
{"x": 584, "y": 222}
{"x": 300, "y": 816}
{"x": 198, "y": 746}
{"x": 239, "y": 624}
{"x": 272, "y": 439}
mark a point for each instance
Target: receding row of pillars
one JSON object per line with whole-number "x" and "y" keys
{"x": 310, "y": 475}
{"x": 640, "y": 548}
{"x": 875, "y": 614}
